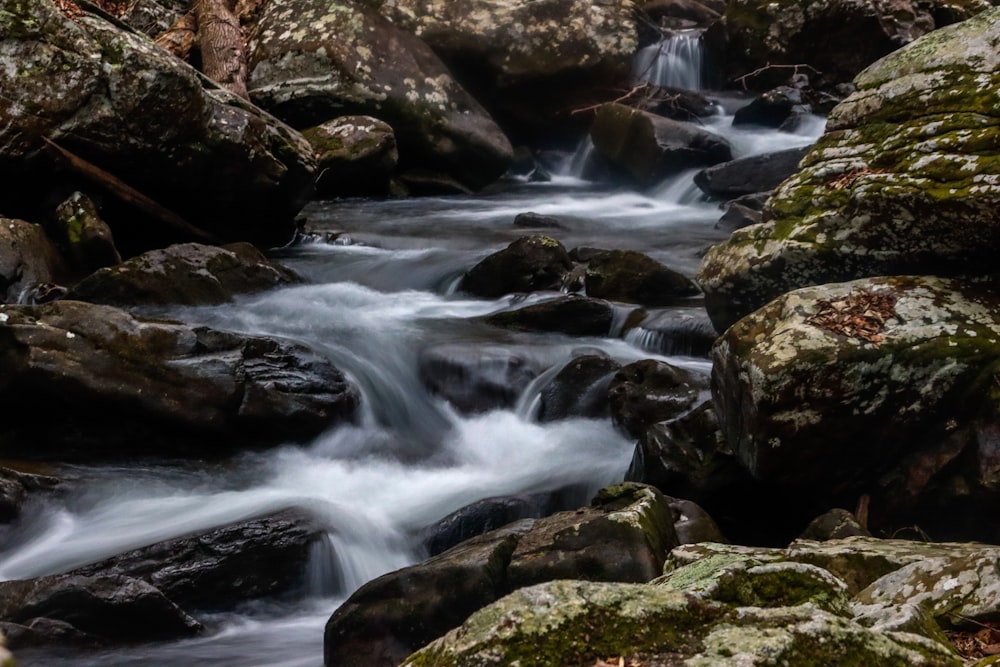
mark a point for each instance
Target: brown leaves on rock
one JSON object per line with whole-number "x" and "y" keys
{"x": 847, "y": 180}
{"x": 973, "y": 645}
{"x": 861, "y": 314}
{"x": 116, "y": 8}
{"x": 69, "y": 8}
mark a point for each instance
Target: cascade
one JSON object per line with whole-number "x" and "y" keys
{"x": 676, "y": 61}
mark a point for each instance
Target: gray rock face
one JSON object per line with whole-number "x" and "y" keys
{"x": 27, "y": 257}
{"x": 183, "y": 274}
{"x": 17, "y": 487}
{"x": 312, "y": 60}
{"x": 906, "y": 180}
{"x": 749, "y": 175}
{"x": 648, "y": 148}
{"x": 171, "y": 388}
{"x": 875, "y": 384}
{"x": 114, "y": 99}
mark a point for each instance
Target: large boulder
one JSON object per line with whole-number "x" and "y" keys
{"x": 183, "y": 274}
{"x": 749, "y": 175}
{"x": 906, "y": 180}
{"x": 357, "y": 156}
{"x": 834, "y": 38}
{"x": 27, "y": 257}
{"x": 648, "y": 148}
{"x": 313, "y": 60}
{"x": 881, "y": 386}
{"x": 83, "y": 381}
{"x": 533, "y": 63}
{"x": 133, "y": 111}
{"x": 257, "y": 557}
{"x": 528, "y": 264}
{"x": 630, "y": 276}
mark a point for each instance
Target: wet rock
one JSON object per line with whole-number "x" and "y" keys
{"x": 391, "y": 616}
{"x": 17, "y": 487}
{"x": 88, "y": 239}
{"x": 649, "y": 391}
{"x": 528, "y": 264}
{"x": 693, "y": 524}
{"x": 573, "y": 315}
{"x": 904, "y": 181}
{"x": 114, "y": 608}
{"x": 27, "y": 257}
{"x": 834, "y": 525}
{"x": 531, "y": 63}
{"x": 630, "y": 276}
{"x": 674, "y": 103}
{"x": 897, "y": 365}
{"x": 648, "y": 148}
{"x": 356, "y": 156}
{"x": 674, "y": 332}
{"x": 749, "y": 175}
{"x": 479, "y": 518}
{"x": 739, "y": 214}
{"x": 580, "y": 389}
{"x": 172, "y": 388}
{"x": 536, "y": 220}
{"x": 774, "y": 108}
{"x": 220, "y": 568}
{"x": 625, "y": 535}
{"x": 117, "y": 101}
{"x": 183, "y": 274}
{"x": 476, "y": 378}
{"x": 312, "y": 60}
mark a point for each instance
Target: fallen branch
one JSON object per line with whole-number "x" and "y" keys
{"x": 742, "y": 80}
{"x": 126, "y": 192}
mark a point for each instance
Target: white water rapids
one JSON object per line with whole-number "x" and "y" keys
{"x": 373, "y": 307}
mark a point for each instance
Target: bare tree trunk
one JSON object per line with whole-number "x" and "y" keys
{"x": 179, "y": 38}
{"x": 223, "y": 57}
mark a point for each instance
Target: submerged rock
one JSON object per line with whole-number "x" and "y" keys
{"x": 573, "y": 315}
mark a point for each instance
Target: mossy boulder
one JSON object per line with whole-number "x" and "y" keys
{"x": 114, "y": 99}
{"x": 87, "y": 238}
{"x": 873, "y": 385}
{"x": 833, "y": 38}
{"x": 632, "y": 277}
{"x": 528, "y": 264}
{"x": 533, "y": 63}
{"x": 312, "y": 60}
{"x": 906, "y": 180}
{"x": 183, "y": 274}
{"x": 647, "y": 148}
{"x": 356, "y": 156}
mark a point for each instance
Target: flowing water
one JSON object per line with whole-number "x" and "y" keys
{"x": 375, "y": 301}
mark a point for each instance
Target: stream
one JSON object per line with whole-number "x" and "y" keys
{"x": 375, "y": 301}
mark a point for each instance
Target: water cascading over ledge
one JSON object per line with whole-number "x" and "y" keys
{"x": 676, "y": 61}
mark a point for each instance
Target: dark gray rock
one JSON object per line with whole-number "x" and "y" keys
{"x": 630, "y": 276}
{"x": 580, "y": 389}
{"x": 528, "y": 264}
{"x": 86, "y": 237}
{"x": 649, "y": 391}
{"x": 356, "y": 156}
{"x": 749, "y": 175}
{"x": 17, "y": 487}
{"x": 476, "y": 378}
{"x": 573, "y": 315}
{"x": 27, "y": 257}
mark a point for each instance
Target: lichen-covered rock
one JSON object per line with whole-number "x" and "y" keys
{"x": 528, "y": 264}
{"x": 875, "y": 384}
{"x": 834, "y": 525}
{"x": 647, "y": 148}
{"x": 533, "y": 62}
{"x": 356, "y": 156}
{"x": 312, "y": 60}
{"x": 183, "y": 274}
{"x": 129, "y": 108}
{"x": 906, "y": 180}
{"x": 27, "y": 257}
{"x": 87, "y": 238}
{"x": 836, "y": 38}
{"x": 112, "y": 384}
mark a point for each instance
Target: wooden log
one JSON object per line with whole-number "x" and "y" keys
{"x": 223, "y": 53}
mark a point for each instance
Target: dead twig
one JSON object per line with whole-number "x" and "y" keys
{"x": 742, "y": 80}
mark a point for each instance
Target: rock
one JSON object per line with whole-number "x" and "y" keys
{"x": 391, "y": 616}
{"x": 625, "y": 535}
{"x": 674, "y": 103}
{"x": 903, "y": 182}
{"x": 901, "y": 366}
{"x": 649, "y": 391}
{"x": 477, "y": 519}
{"x": 674, "y": 332}
{"x": 630, "y": 276}
{"x": 774, "y": 108}
{"x": 88, "y": 239}
{"x": 223, "y": 567}
{"x": 183, "y": 274}
{"x": 693, "y": 524}
{"x": 737, "y": 216}
{"x": 532, "y": 63}
{"x": 749, "y": 175}
{"x": 579, "y": 389}
{"x": 837, "y": 38}
{"x": 476, "y": 378}
{"x": 120, "y": 103}
{"x": 536, "y": 220}
{"x": 27, "y": 257}
{"x": 15, "y": 489}
{"x": 528, "y": 264}
{"x": 171, "y": 388}
{"x": 682, "y": 13}
{"x": 152, "y": 17}
{"x": 834, "y": 525}
{"x": 356, "y": 156}
{"x": 649, "y": 148}
{"x": 311, "y": 60}
{"x": 574, "y": 315}
{"x": 116, "y": 607}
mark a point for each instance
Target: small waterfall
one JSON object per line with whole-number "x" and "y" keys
{"x": 675, "y": 61}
